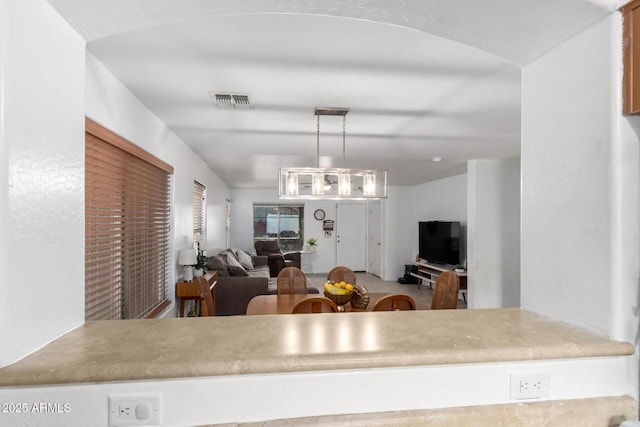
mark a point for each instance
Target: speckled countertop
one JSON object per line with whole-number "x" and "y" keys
{"x": 193, "y": 347}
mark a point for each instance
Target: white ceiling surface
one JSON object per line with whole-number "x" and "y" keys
{"x": 422, "y": 78}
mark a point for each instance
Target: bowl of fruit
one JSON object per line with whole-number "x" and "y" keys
{"x": 338, "y": 292}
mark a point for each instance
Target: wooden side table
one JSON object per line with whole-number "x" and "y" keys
{"x": 189, "y": 291}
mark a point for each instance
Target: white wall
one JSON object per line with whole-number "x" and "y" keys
{"x": 581, "y": 189}
{"x": 325, "y": 256}
{"x": 242, "y": 214}
{"x": 441, "y": 200}
{"x": 493, "y": 233}
{"x": 625, "y": 167}
{"x": 568, "y": 100}
{"x": 112, "y": 105}
{"x": 444, "y": 199}
{"x": 625, "y": 278}
{"x": 399, "y": 232}
{"x": 42, "y": 179}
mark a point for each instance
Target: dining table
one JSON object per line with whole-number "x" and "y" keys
{"x": 283, "y": 304}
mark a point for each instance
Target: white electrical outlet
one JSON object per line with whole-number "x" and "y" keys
{"x": 530, "y": 385}
{"x": 135, "y": 410}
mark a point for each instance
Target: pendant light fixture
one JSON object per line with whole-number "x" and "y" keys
{"x": 332, "y": 183}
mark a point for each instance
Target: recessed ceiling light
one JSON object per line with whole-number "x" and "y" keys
{"x": 436, "y": 159}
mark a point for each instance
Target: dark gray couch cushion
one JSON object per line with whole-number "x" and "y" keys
{"x": 234, "y": 270}
{"x": 218, "y": 264}
{"x": 234, "y": 267}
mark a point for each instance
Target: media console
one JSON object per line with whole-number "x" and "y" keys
{"x": 429, "y": 272}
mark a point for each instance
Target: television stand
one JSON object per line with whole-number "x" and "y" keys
{"x": 428, "y": 272}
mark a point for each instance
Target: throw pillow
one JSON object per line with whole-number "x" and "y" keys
{"x": 233, "y": 262}
{"x": 244, "y": 259}
{"x": 218, "y": 263}
{"x": 228, "y": 253}
{"x": 236, "y": 271}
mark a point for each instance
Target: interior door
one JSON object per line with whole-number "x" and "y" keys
{"x": 351, "y": 236}
{"x": 375, "y": 239}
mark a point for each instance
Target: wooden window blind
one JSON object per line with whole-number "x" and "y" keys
{"x": 127, "y": 228}
{"x": 199, "y": 212}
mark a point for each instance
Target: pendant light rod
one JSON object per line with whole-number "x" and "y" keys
{"x": 315, "y": 182}
{"x": 344, "y": 151}
{"x": 332, "y": 111}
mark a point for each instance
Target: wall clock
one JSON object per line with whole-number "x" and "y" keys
{"x": 319, "y": 214}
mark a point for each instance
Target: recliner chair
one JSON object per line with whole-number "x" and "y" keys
{"x": 276, "y": 259}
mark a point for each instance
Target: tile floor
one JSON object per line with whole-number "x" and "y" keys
{"x": 421, "y": 295}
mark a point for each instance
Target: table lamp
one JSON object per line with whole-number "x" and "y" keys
{"x": 188, "y": 259}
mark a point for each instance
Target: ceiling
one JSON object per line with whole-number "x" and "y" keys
{"x": 422, "y": 78}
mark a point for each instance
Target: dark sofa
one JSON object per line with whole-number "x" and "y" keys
{"x": 237, "y": 286}
{"x": 232, "y": 294}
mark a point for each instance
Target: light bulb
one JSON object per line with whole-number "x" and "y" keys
{"x": 369, "y": 184}
{"x": 317, "y": 184}
{"x": 292, "y": 183}
{"x": 344, "y": 184}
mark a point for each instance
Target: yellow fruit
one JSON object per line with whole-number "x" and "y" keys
{"x": 349, "y": 287}
{"x": 329, "y": 287}
{"x": 343, "y": 284}
{"x": 341, "y": 292}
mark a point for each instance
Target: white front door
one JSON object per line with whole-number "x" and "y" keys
{"x": 351, "y": 236}
{"x": 375, "y": 239}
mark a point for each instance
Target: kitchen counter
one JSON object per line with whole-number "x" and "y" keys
{"x": 130, "y": 350}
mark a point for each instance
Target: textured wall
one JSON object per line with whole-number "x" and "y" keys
{"x": 567, "y": 127}
{"x": 42, "y": 150}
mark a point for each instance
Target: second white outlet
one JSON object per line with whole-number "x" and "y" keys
{"x": 530, "y": 385}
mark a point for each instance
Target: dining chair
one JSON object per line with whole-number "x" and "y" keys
{"x": 341, "y": 273}
{"x": 445, "y": 295}
{"x": 315, "y": 305}
{"x": 291, "y": 280}
{"x": 395, "y": 302}
{"x": 207, "y": 307}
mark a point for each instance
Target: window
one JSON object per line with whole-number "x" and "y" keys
{"x": 127, "y": 228}
{"x": 199, "y": 214}
{"x": 284, "y": 223}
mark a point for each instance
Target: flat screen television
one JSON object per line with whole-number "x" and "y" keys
{"x": 439, "y": 241}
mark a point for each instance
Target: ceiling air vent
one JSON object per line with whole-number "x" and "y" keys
{"x": 241, "y": 101}
{"x": 227, "y": 100}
